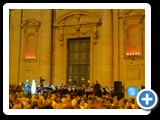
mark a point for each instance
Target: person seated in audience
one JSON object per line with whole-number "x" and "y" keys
{"x": 17, "y": 100}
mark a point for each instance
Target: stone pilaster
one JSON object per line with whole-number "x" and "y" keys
{"x": 115, "y": 46}
{"x": 14, "y": 46}
{"x": 106, "y": 43}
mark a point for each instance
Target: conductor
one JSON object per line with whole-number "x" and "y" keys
{"x": 97, "y": 91}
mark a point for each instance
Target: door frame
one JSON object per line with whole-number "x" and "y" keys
{"x": 67, "y": 56}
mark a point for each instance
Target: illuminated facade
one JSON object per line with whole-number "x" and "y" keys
{"x": 80, "y": 45}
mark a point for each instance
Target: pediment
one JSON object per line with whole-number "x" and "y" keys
{"x": 137, "y": 12}
{"x": 30, "y": 22}
{"x": 78, "y": 17}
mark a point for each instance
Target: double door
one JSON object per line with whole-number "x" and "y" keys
{"x": 78, "y": 61}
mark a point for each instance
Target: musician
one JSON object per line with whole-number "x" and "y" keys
{"x": 41, "y": 89}
{"x": 41, "y": 81}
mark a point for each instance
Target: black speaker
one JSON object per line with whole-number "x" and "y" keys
{"x": 117, "y": 86}
{"x": 142, "y": 87}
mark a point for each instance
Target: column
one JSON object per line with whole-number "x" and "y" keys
{"x": 14, "y": 46}
{"x": 44, "y": 42}
{"x": 115, "y": 46}
{"x": 106, "y": 43}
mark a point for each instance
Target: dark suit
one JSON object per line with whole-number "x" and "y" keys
{"x": 41, "y": 82}
{"x": 97, "y": 91}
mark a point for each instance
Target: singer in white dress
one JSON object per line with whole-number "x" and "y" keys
{"x": 33, "y": 88}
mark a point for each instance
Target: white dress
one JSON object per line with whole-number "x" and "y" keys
{"x": 33, "y": 88}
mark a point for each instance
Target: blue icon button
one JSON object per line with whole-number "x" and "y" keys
{"x": 147, "y": 99}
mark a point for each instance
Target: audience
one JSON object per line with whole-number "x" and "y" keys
{"x": 68, "y": 97}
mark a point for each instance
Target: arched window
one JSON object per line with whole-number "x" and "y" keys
{"x": 133, "y": 41}
{"x": 31, "y": 45}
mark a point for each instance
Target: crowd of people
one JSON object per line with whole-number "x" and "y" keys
{"x": 67, "y": 96}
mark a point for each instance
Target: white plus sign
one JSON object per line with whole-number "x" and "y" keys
{"x": 147, "y": 99}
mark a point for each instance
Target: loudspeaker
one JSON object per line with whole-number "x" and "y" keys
{"x": 117, "y": 86}
{"x": 142, "y": 87}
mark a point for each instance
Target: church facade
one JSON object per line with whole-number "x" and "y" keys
{"x": 80, "y": 45}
